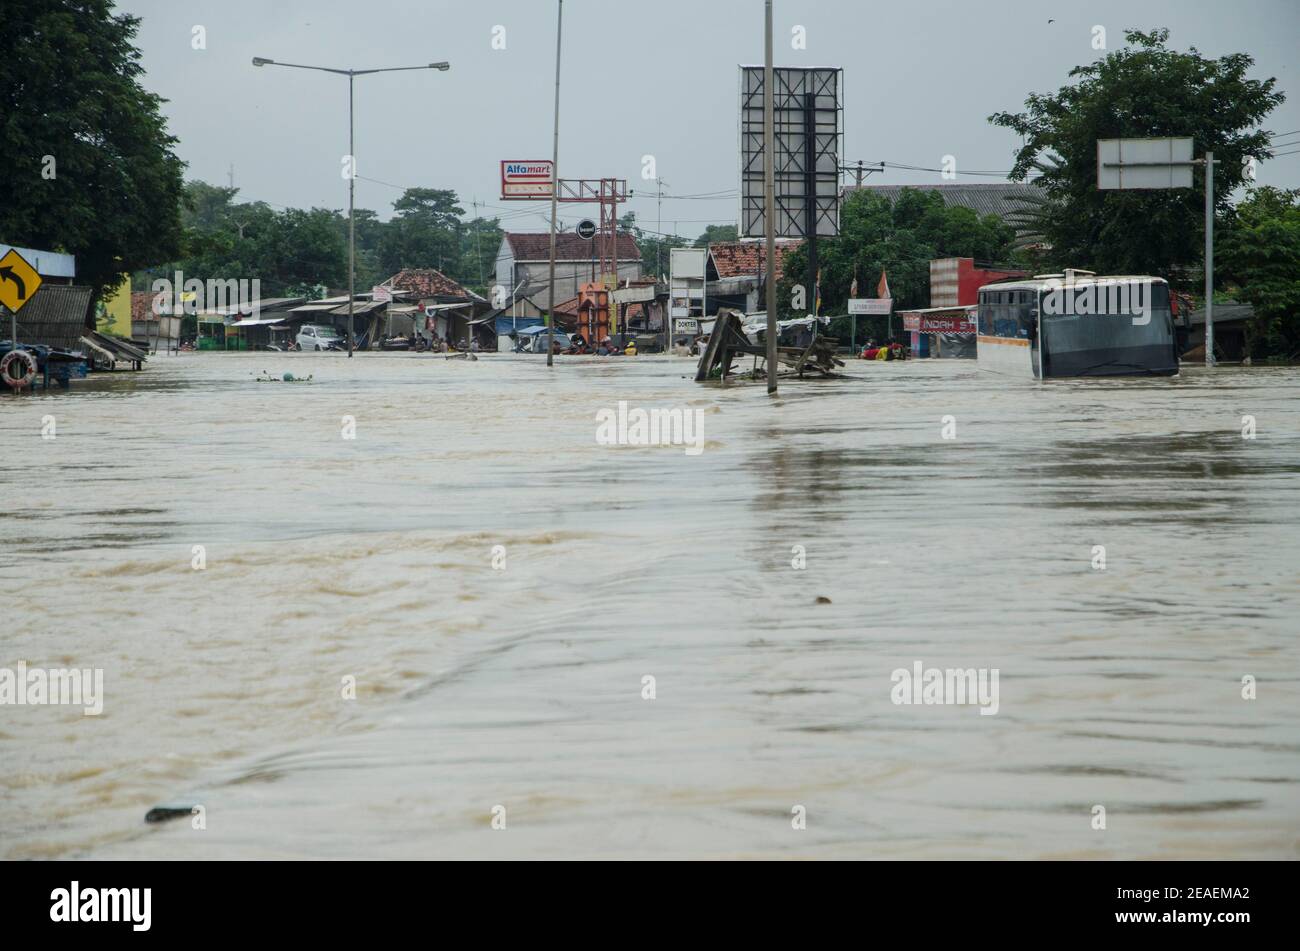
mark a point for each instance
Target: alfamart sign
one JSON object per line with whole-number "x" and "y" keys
{"x": 532, "y": 179}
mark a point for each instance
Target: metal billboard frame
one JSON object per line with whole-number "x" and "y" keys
{"x": 808, "y": 106}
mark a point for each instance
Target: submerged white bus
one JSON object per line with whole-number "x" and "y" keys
{"x": 1077, "y": 324}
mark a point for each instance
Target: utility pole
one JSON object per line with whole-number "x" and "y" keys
{"x": 478, "y": 255}
{"x": 659, "y": 246}
{"x": 1209, "y": 259}
{"x": 860, "y": 169}
{"x": 555, "y": 192}
{"x": 352, "y": 218}
{"x": 352, "y": 74}
{"x": 769, "y": 192}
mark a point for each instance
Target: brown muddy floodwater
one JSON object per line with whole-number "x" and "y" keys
{"x": 521, "y": 686}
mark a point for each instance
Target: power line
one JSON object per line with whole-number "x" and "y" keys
{"x": 953, "y": 171}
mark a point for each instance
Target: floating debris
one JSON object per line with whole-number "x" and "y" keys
{"x": 730, "y": 338}
{"x": 167, "y": 813}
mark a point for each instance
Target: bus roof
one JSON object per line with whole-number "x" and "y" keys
{"x": 1044, "y": 280}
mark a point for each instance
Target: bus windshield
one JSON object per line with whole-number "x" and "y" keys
{"x": 1107, "y": 328}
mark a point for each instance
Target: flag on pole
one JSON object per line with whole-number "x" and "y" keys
{"x": 882, "y": 289}
{"x": 817, "y": 308}
{"x": 853, "y": 288}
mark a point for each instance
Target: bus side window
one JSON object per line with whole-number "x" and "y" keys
{"x": 1024, "y": 312}
{"x": 1004, "y": 324}
{"x": 985, "y": 316}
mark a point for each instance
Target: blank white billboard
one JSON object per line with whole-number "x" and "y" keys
{"x": 1135, "y": 164}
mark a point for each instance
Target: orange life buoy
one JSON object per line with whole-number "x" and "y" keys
{"x": 9, "y": 371}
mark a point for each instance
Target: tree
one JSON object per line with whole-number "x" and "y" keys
{"x": 305, "y": 248}
{"x": 1259, "y": 251}
{"x": 479, "y": 242}
{"x": 899, "y": 238}
{"x": 1143, "y": 90}
{"x": 293, "y": 251}
{"x": 225, "y": 239}
{"x": 370, "y": 234}
{"x": 90, "y": 167}
{"x": 207, "y": 206}
{"x": 715, "y": 234}
{"x": 425, "y": 231}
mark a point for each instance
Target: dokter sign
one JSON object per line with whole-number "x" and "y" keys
{"x": 522, "y": 180}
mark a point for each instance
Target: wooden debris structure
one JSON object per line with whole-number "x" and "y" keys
{"x": 728, "y": 341}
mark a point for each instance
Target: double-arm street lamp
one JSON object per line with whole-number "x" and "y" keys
{"x": 351, "y": 74}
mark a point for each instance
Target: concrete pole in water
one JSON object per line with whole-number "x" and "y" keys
{"x": 352, "y": 218}
{"x": 769, "y": 193}
{"x": 555, "y": 193}
{"x": 1209, "y": 259}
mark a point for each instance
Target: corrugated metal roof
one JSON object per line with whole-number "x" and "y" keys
{"x": 116, "y": 348}
{"x": 1004, "y": 199}
{"x": 266, "y": 303}
{"x": 358, "y": 307}
{"x": 55, "y": 316}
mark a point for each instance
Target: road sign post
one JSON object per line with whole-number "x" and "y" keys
{"x": 1146, "y": 164}
{"x": 19, "y": 283}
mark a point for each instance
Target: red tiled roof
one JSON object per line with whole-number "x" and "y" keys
{"x": 743, "y": 258}
{"x": 425, "y": 282}
{"x": 568, "y": 247}
{"x": 142, "y": 305}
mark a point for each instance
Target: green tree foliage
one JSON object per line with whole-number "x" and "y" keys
{"x": 293, "y": 252}
{"x": 899, "y": 238}
{"x": 1143, "y": 90}
{"x": 426, "y": 231}
{"x": 480, "y": 239}
{"x": 715, "y": 234}
{"x": 225, "y": 239}
{"x": 70, "y": 89}
{"x": 1259, "y": 252}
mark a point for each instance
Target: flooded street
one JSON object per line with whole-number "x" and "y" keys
{"x": 501, "y": 586}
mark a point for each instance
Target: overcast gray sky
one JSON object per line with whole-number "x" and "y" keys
{"x": 640, "y": 77}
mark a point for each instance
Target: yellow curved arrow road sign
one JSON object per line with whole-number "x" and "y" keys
{"x": 18, "y": 281}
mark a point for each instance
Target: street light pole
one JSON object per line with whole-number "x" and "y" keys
{"x": 555, "y": 197}
{"x": 352, "y": 218}
{"x": 352, "y": 74}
